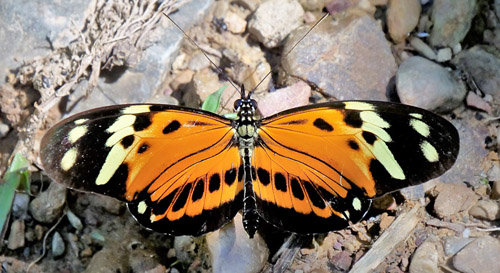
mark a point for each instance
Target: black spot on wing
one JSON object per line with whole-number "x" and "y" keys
{"x": 315, "y": 198}
{"x": 214, "y": 183}
{"x": 241, "y": 172}
{"x": 353, "y": 119}
{"x": 171, "y": 127}
{"x": 198, "y": 190}
{"x": 353, "y": 144}
{"x": 162, "y": 206}
{"x": 280, "y": 182}
{"x": 142, "y": 122}
{"x": 369, "y": 137}
{"x": 322, "y": 125}
{"x": 230, "y": 176}
{"x": 296, "y": 189}
{"x": 144, "y": 147}
{"x": 182, "y": 198}
{"x": 264, "y": 176}
{"x": 127, "y": 141}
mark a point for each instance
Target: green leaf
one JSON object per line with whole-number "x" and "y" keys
{"x": 16, "y": 175}
{"x": 212, "y": 103}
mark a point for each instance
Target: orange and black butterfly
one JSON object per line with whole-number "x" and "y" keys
{"x": 310, "y": 169}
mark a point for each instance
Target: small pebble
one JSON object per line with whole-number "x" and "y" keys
{"x": 74, "y": 220}
{"x": 486, "y": 209}
{"x": 425, "y": 259}
{"x": 422, "y": 48}
{"x": 495, "y": 190}
{"x": 16, "y": 235}
{"x": 453, "y": 198}
{"x": 58, "y": 246}
{"x": 235, "y": 23}
{"x": 402, "y": 18}
{"x": 4, "y": 129}
{"x": 444, "y": 55}
{"x": 198, "y": 62}
{"x": 20, "y": 205}
{"x": 452, "y": 245}
{"x": 451, "y": 21}
{"x": 48, "y": 205}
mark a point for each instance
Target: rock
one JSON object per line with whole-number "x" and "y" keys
{"x": 451, "y": 21}
{"x": 473, "y": 100}
{"x": 198, "y": 62}
{"x": 313, "y": 5}
{"x": 285, "y": 98}
{"x": 425, "y": 259}
{"x": 425, "y": 84}
{"x": 271, "y": 27}
{"x": 16, "y": 235}
{"x": 137, "y": 83}
{"x": 235, "y": 23}
{"x": 74, "y": 220}
{"x": 4, "y": 129}
{"x": 495, "y": 190}
{"x": 231, "y": 250}
{"x": 423, "y": 48}
{"x": 479, "y": 256}
{"x": 444, "y": 55}
{"x": 402, "y": 18}
{"x": 28, "y": 35}
{"x": 20, "y": 205}
{"x": 142, "y": 259}
{"x": 112, "y": 258}
{"x": 184, "y": 248}
{"x": 453, "y": 198}
{"x": 342, "y": 261}
{"x": 48, "y": 205}
{"x": 453, "y": 245}
{"x": 348, "y": 59}
{"x": 483, "y": 65}
{"x": 58, "y": 246}
{"x": 107, "y": 203}
{"x": 486, "y": 209}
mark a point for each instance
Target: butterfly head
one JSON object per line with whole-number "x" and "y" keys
{"x": 245, "y": 104}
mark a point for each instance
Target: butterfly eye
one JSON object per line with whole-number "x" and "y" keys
{"x": 237, "y": 104}
{"x": 254, "y": 104}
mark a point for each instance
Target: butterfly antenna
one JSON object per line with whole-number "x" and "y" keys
{"x": 291, "y": 49}
{"x": 202, "y": 51}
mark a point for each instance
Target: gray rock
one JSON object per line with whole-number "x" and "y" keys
{"x": 20, "y": 205}
{"x": 425, "y": 84}
{"x": 486, "y": 209}
{"x": 16, "y": 235}
{"x": 444, "y": 54}
{"x": 423, "y": 48}
{"x": 452, "y": 245}
{"x": 453, "y": 198}
{"x": 28, "y": 36}
{"x": 4, "y": 129}
{"x": 184, "y": 248}
{"x": 483, "y": 65}
{"x": 348, "y": 59}
{"x": 271, "y": 27}
{"x": 425, "y": 259}
{"x": 112, "y": 258}
{"x": 74, "y": 220}
{"x": 48, "y": 205}
{"x": 479, "y": 256}
{"x": 232, "y": 251}
{"x": 451, "y": 21}
{"x": 58, "y": 246}
{"x": 137, "y": 84}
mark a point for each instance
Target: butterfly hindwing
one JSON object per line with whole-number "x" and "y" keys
{"x": 317, "y": 166}
{"x": 178, "y": 168}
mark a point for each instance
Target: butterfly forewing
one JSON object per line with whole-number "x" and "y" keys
{"x": 317, "y": 166}
{"x": 178, "y": 168}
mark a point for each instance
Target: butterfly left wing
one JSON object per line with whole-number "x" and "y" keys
{"x": 317, "y": 167}
{"x": 178, "y": 169}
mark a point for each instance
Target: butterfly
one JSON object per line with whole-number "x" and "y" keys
{"x": 311, "y": 169}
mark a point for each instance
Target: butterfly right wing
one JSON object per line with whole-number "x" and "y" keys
{"x": 178, "y": 169}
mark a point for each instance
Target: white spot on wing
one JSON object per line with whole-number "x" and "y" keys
{"x": 136, "y": 109}
{"x": 121, "y": 122}
{"x": 386, "y": 158}
{"x": 80, "y": 121}
{"x": 119, "y": 135}
{"x": 76, "y": 133}
{"x": 69, "y": 159}
{"x": 358, "y": 105}
{"x": 421, "y": 128}
{"x": 379, "y": 132}
{"x": 113, "y": 161}
{"x": 141, "y": 208}
{"x": 356, "y": 203}
{"x": 416, "y": 115}
{"x": 429, "y": 151}
{"x": 374, "y": 118}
